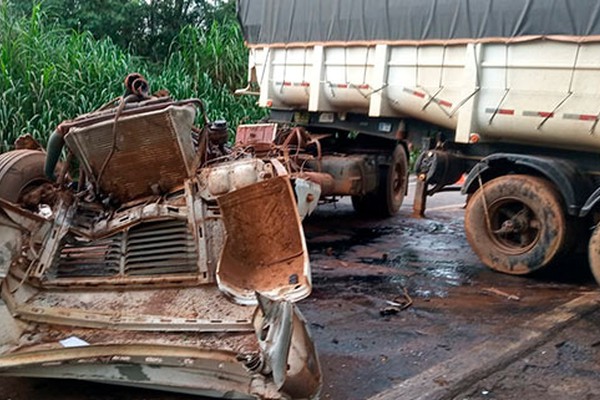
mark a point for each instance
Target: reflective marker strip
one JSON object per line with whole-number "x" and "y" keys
{"x": 422, "y": 95}
{"x": 581, "y": 117}
{"x": 302, "y": 84}
{"x": 350, "y": 85}
{"x": 414, "y": 93}
{"x": 444, "y": 103}
{"x": 500, "y": 111}
{"x": 543, "y": 114}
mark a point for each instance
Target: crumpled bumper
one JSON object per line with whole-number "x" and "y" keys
{"x": 275, "y": 360}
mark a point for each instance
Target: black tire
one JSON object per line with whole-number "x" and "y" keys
{"x": 594, "y": 253}
{"x": 527, "y": 227}
{"x": 20, "y": 170}
{"x": 389, "y": 195}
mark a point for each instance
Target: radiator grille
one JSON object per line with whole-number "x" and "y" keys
{"x": 96, "y": 258}
{"x": 160, "y": 248}
{"x": 152, "y": 248}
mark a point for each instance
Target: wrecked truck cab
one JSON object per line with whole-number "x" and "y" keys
{"x": 162, "y": 267}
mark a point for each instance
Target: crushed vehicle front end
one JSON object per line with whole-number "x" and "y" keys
{"x": 160, "y": 268}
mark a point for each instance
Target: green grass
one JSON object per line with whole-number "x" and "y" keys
{"x": 48, "y": 74}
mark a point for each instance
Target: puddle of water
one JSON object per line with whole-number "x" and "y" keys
{"x": 340, "y": 242}
{"x": 452, "y": 272}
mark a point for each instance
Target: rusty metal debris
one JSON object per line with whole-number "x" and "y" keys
{"x": 171, "y": 261}
{"x": 399, "y": 303}
{"x": 501, "y": 293}
{"x": 300, "y": 154}
{"x": 27, "y": 142}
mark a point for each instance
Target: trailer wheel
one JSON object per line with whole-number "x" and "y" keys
{"x": 594, "y": 253}
{"x": 388, "y": 198}
{"x": 20, "y": 171}
{"x": 516, "y": 224}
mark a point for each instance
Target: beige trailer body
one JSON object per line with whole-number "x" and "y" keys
{"x": 541, "y": 91}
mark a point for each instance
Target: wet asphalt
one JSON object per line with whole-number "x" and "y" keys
{"x": 360, "y": 266}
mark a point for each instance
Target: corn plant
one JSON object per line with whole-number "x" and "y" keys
{"x": 218, "y": 52}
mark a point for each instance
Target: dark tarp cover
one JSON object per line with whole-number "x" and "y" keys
{"x": 307, "y": 21}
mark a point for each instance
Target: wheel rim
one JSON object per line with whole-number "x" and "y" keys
{"x": 398, "y": 181}
{"x": 397, "y": 177}
{"x": 513, "y": 226}
{"x": 594, "y": 253}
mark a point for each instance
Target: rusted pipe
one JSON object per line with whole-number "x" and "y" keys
{"x": 130, "y": 80}
{"x": 326, "y": 181}
{"x": 333, "y": 186}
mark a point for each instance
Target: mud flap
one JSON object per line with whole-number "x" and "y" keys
{"x": 288, "y": 348}
{"x": 265, "y": 250}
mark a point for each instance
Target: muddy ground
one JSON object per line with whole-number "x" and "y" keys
{"x": 453, "y": 303}
{"x": 567, "y": 367}
{"x": 457, "y": 302}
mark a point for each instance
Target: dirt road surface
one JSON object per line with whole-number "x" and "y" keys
{"x": 403, "y": 309}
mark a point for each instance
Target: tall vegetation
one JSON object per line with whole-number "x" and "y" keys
{"x": 49, "y": 73}
{"x": 216, "y": 51}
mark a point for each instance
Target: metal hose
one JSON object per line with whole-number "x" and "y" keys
{"x": 55, "y": 146}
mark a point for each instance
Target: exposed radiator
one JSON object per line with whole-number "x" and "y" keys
{"x": 152, "y": 152}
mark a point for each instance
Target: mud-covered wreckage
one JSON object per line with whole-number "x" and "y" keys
{"x": 165, "y": 261}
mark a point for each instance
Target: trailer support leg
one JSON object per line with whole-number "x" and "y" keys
{"x": 420, "y": 200}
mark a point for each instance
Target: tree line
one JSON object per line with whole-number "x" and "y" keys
{"x": 62, "y": 58}
{"x": 146, "y": 28}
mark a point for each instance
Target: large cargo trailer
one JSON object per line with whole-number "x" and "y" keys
{"x": 507, "y": 91}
